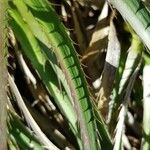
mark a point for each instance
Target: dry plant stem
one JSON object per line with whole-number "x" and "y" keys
{"x": 47, "y": 143}
{"x": 28, "y": 75}
{"x": 3, "y": 79}
{"x": 94, "y": 56}
{"x": 49, "y": 128}
{"x": 111, "y": 64}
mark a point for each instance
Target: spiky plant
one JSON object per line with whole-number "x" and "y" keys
{"x": 49, "y": 103}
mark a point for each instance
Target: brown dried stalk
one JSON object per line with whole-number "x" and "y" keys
{"x": 3, "y": 75}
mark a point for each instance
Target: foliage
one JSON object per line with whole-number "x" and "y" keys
{"x": 90, "y": 91}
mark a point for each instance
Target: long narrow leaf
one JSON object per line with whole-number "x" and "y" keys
{"x": 146, "y": 105}
{"x": 137, "y": 15}
{"x": 70, "y": 64}
{"x": 33, "y": 52}
{"x": 29, "y": 118}
{"x": 20, "y": 135}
